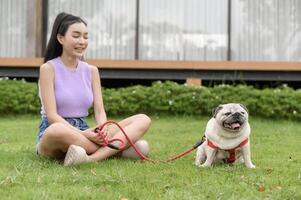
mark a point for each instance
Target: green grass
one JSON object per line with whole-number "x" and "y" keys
{"x": 275, "y": 152}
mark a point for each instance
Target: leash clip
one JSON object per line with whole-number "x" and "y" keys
{"x": 198, "y": 143}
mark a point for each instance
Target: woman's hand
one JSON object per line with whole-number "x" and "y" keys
{"x": 95, "y": 136}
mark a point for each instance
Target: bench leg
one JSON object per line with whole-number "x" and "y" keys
{"x": 194, "y": 81}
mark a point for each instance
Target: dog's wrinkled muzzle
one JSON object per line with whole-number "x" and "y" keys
{"x": 234, "y": 121}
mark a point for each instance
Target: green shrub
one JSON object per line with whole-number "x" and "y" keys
{"x": 20, "y": 97}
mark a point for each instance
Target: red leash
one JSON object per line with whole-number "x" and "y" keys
{"x": 122, "y": 143}
{"x": 186, "y": 152}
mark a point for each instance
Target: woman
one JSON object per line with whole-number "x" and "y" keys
{"x": 68, "y": 87}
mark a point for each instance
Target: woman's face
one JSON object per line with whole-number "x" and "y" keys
{"x": 75, "y": 40}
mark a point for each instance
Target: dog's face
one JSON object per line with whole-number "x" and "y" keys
{"x": 231, "y": 117}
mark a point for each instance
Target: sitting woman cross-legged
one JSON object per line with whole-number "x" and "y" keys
{"x": 68, "y": 87}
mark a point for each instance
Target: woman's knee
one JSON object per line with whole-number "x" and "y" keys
{"x": 144, "y": 120}
{"x": 51, "y": 143}
{"x": 55, "y": 132}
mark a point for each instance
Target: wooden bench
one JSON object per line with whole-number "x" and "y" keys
{"x": 180, "y": 65}
{"x": 192, "y": 71}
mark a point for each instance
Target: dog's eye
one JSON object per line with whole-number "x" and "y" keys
{"x": 243, "y": 113}
{"x": 228, "y": 113}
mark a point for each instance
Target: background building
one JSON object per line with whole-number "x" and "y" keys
{"x": 162, "y": 30}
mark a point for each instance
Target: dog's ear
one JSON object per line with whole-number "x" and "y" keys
{"x": 244, "y": 107}
{"x": 216, "y": 110}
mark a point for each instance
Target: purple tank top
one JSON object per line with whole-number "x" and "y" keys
{"x": 72, "y": 89}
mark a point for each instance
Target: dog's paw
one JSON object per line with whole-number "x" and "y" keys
{"x": 251, "y": 166}
{"x": 198, "y": 165}
{"x": 197, "y": 162}
{"x": 205, "y": 165}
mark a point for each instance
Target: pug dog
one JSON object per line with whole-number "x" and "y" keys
{"x": 226, "y": 137}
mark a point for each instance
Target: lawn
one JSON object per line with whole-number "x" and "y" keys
{"x": 275, "y": 148}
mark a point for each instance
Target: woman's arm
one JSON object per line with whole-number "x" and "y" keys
{"x": 99, "y": 111}
{"x": 48, "y": 96}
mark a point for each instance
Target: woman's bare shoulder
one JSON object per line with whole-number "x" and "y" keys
{"x": 92, "y": 67}
{"x": 46, "y": 67}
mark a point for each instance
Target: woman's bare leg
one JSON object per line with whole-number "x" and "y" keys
{"x": 57, "y": 139}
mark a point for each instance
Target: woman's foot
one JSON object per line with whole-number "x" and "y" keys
{"x": 142, "y": 145}
{"x": 75, "y": 156}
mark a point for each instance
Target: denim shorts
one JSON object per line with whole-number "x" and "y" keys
{"x": 79, "y": 123}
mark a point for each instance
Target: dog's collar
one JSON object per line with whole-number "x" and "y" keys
{"x": 232, "y": 157}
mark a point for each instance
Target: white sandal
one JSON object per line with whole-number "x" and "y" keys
{"x": 75, "y": 156}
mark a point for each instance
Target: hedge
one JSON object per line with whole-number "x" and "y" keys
{"x": 20, "y": 97}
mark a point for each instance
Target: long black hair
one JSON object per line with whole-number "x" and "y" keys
{"x": 60, "y": 26}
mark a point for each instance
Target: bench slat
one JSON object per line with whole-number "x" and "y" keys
{"x": 173, "y": 65}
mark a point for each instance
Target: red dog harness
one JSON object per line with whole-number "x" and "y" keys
{"x": 232, "y": 157}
